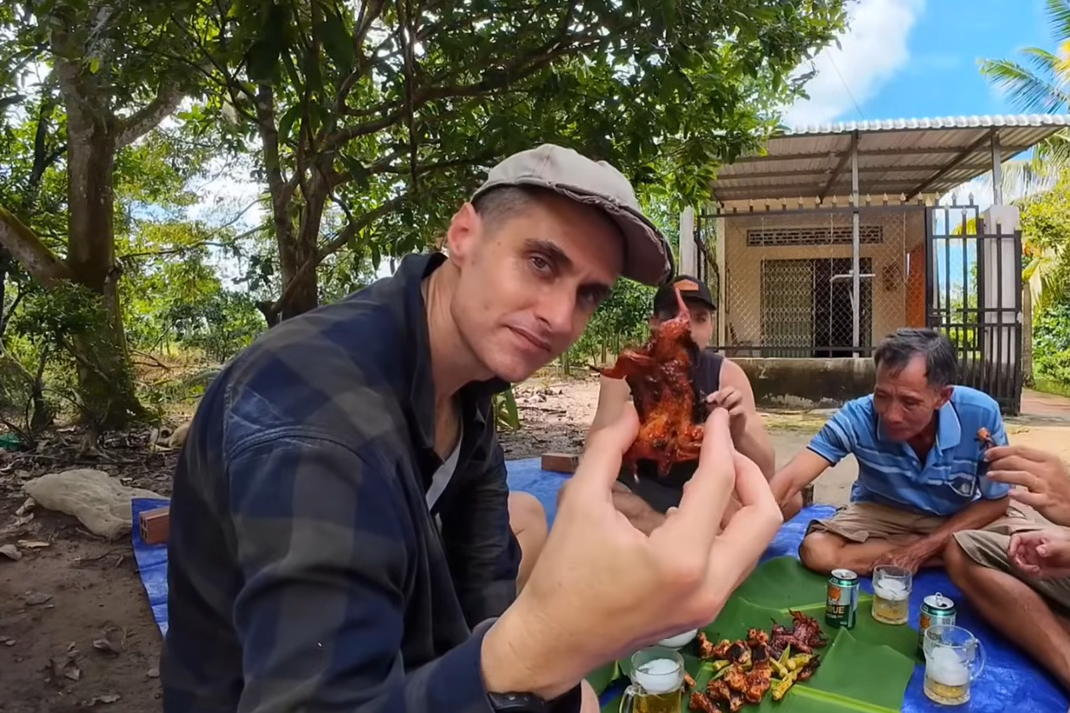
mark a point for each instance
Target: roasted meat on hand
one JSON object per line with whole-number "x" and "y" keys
{"x": 659, "y": 375}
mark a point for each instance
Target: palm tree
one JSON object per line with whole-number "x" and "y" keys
{"x": 1039, "y": 84}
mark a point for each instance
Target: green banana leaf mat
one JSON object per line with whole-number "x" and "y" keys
{"x": 865, "y": 669}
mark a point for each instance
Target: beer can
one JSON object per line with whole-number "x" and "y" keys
{"x": 841, "y": 602}
{"x": 935, "y": 609}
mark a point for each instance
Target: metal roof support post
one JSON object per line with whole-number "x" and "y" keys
{"x": 856, "y": 272}
{"x": 997, "y": 170}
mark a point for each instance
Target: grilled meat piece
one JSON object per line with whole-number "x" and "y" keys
{"x": 659, "y": 374}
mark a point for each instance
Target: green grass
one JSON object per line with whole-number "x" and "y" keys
{"x": 1048, "y": 385}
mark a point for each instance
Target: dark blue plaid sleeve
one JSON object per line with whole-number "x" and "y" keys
{"x": 323, "y": 548}
{"x": 484, "y": 554}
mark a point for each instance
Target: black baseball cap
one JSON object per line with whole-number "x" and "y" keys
{"x": 691, "y": 290}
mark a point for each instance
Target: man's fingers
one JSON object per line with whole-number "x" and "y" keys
{"x": 1026, "y": 497}
{"x": 1027, "y": 452}
{"x": 601, "y": 461}
{"x": 706, "y": 495}
{"x": 1012, "y": 476}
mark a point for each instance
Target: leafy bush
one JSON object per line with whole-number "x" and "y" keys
{"x": 1051, "y": 341}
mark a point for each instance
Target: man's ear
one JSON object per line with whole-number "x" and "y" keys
{"x": 463, "y": 233}
{"x": 945, "y": 396}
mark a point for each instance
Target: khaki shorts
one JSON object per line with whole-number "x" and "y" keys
{"x": 859, "y": 522}
{"x": 988, "y": 548}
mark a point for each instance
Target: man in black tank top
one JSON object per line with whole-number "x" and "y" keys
{"x": 646, "y": 497}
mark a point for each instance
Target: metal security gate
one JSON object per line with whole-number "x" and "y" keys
{"x": 973, "y": 294}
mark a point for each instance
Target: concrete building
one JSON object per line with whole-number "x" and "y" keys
{"x": 835, "y": 236}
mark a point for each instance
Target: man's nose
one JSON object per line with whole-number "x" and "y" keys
{"x": 556, "y": 310}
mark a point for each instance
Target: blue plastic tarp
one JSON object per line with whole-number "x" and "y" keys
{"x": 1010, "y": 680}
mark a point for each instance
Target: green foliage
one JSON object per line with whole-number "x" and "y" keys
{"x": 365, "y": 125}
{"x": 1051, "y": 342}
{"x": 622, "y": 320}
{"x": 385, "y": 139}
{"x": 1038, "y": 84}
{"x": 506, "y": 415}
{"x": 1045, "y": 221}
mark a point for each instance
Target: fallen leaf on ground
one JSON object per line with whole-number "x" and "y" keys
{"x": 25, "y": 507}
{"x": 34, "y": 544}
{"x": 153, "y": 672}
{"x": 107, "y": 646}
{"x": 11, "y": 552}
{"x": 106, "y": 698}
{"x": 34, "y": 599}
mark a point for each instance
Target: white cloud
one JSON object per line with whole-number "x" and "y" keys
{"x": 872, "y": 50}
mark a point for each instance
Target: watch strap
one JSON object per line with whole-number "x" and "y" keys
{"x": 517, "y": 703}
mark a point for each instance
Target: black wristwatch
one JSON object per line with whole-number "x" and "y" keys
{"x": 517, "y": 703}
{"x": 530, "y": 703}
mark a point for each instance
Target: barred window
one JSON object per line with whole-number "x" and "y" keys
{"x": 867, "y": 235}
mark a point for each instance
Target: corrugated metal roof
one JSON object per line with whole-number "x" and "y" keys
{"x": 897, "y": 157}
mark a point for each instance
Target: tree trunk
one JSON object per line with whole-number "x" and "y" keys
{"x": 105, "y": 373}
{"x": 305, "y": 295}
{"x": 1027, "y": 335}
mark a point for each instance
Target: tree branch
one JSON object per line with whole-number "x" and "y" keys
{"x": 27, "y": 248}
{"x": 516, "y": 71}
{"x": 329, "y": 249}
{"x": 149, "y": 116}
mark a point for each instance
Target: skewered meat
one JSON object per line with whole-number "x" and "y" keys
{"x": 705, "y": 646}
{"x": 985, "y": 438}
{"x": 659, "y": 375}
{"x": 739, "y": 653}
{"x": 723, "y": 649}
{"x": 718, "y": 691}
{"x": 757, "y": 637}
{"x": 688, "y": 681}
{"x": 809, "y": 668}
{"x": 759, "y": 680}
{"x": 804, "y": 636}
{"x": 701, "y": 702}
{"x": 736, "y": 679}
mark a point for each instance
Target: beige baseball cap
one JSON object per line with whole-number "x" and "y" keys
{"x": 647, "y": 255}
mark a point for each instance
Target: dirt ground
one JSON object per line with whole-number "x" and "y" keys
{"x": 76, "y": 630}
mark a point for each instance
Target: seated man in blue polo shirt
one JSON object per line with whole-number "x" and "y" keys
{"x": 921, "y": 466}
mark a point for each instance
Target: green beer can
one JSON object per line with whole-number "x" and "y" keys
{"x": 841, "y": 602}
{"x": 935, "y": 609}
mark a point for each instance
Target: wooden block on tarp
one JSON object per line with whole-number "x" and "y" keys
{"x": 155, "y": 525}
{"x": 560, "y": 462}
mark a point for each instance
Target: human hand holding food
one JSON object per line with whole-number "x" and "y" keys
{"x": 731, "y": 400}
{"x": 1042, "y": 476}
{"x": 602, "y": 589}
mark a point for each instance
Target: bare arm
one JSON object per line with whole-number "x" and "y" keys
{"x": 802, "y": 470}
{"x": 975, "y": 517}
{"x": 753, "y": 441}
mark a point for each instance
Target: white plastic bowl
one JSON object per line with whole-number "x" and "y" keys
{"x": 680, "y": 640}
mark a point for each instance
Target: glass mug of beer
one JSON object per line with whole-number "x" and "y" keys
{"x": 657, "y": 677}
{"x": 954, "y": 658}
{"x": 891, "y": 594}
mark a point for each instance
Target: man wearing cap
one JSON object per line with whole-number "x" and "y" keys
{"x": 339, "y": 527}
{"x": 646, "y": 497}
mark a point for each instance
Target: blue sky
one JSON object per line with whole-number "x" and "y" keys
{"x": 919, "y": 58}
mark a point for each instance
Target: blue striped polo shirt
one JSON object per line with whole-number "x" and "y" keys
{"x": 890, "y": 473}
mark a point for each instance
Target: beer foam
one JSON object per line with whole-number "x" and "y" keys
{"x": 658, "y": 676}
{"x": 946, "y": 667}
{"x": 891, "y": 590}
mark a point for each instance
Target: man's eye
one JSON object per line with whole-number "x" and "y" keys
{"x": 540, "y": 263}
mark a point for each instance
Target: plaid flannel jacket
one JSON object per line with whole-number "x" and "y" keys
{"x": 305, "y": 570}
